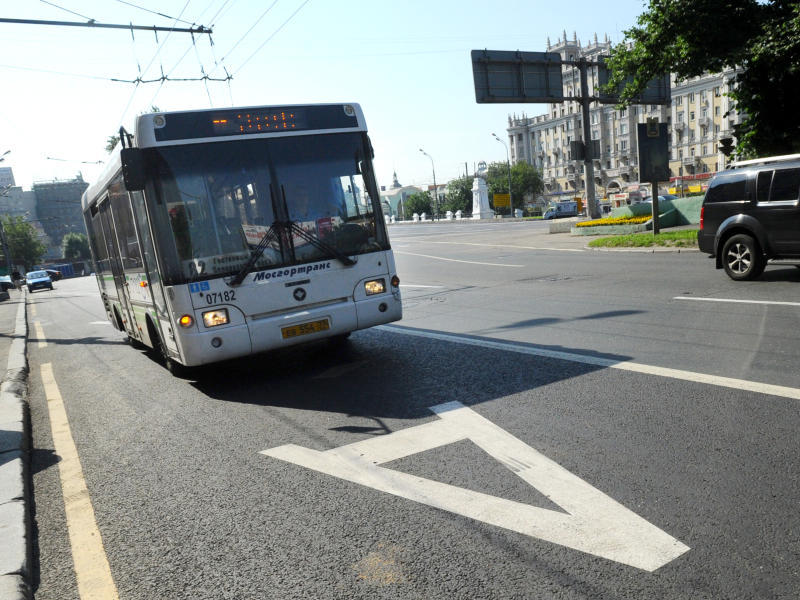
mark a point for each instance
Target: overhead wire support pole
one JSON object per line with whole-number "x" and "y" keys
{"x": 198, "y": 29}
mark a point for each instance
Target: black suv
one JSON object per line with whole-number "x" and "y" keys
{"x": 751, "y": 214}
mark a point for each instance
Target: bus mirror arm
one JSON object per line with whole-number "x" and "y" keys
{"x": 132, "y": 169}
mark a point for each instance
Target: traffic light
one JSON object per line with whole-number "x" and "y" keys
{"x": 726, "y": 146}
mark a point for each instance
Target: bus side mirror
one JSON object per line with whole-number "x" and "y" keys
{"x": 132, "y": 169}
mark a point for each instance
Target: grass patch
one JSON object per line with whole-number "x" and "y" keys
{"x": 685, "y": 238}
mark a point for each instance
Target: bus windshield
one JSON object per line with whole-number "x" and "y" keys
{"x": 215, "y": 202}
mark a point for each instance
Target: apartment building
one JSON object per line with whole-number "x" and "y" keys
{"x": 696, "y": 120}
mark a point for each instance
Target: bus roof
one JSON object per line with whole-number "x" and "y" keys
{"x": 181, "y": 127}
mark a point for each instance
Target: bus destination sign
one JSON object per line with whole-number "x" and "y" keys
{"x": 257, "y": 120}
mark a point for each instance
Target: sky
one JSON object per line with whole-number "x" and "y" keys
{"x": 406, "y": 63}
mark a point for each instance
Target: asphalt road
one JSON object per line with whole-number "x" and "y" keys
{"x": 592, "y": 436}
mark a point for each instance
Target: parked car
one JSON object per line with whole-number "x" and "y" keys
{"x": 561, "y": 209}
{"x": 751, "y": 215}
{"x": 54, "y": 275}
{"x": 6, "y": 283}
{"x": 38, "y": 280}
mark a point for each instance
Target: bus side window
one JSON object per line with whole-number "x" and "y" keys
{"x": 130, "y": 253}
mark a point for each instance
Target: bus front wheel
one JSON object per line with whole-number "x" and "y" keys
{"x": 173, "y": 366}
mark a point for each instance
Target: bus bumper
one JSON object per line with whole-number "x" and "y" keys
{"x": 288, "y": 329}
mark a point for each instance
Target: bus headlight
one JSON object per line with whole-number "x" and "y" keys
{"x": 376, "y": 286}
{"x": 212, "y": 318}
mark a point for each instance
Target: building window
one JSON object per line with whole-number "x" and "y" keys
{"x": 716, "y": 111}
{"x": 691, "y": 96}
{"x": 679, "y": 117}
{"x": 623, "y": 145}
{"x": 691, "y": 115}
{"x": 679, "y": 101}
{"x": 717, "y": 92}
{"x": 623, "y": 129}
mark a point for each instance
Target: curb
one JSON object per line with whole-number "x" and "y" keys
{"x": 15, "y": 522}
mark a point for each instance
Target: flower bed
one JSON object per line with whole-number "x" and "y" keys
{"x": 614, "y": 221}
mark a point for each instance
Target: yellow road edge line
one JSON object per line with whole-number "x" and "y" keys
{"x": 40, "y": 335}
{"x": 92, "y": 570}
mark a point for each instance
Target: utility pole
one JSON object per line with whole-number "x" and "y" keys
{"x": 96, "y": 25}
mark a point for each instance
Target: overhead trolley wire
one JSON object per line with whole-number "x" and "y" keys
{"x": 274, "y": 33}
{"x": 154, "y": 12}
{"x": 72, "y": 12}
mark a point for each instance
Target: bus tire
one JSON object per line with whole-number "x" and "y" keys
{"x": 173, "y": 366}
{"x": 118, "y": 320}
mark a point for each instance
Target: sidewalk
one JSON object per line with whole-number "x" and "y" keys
{"x": 15, "y": 547}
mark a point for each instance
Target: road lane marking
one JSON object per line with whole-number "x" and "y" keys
{"x": 511, "y": 246}
{"x": 33, "y": 310}
{"x": 727, "y": 382}
{"x": 735, "y": 301}
{"x": 40, "y": 334}
{"x": 99, "y": 323}
{"x": 411, "y": 285}
{"x": 469, "y": 262}
{"x": 593, "y": 523}
{"x": 92, "y": 570}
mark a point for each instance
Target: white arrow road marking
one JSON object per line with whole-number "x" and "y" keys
{"x": 596, "y": 524}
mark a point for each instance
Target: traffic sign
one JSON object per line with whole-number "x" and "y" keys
{"x": 502, "y": 76}
{"x": 502, "y": 200}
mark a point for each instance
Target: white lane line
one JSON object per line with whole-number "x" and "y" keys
{"x": 92, "y": 570}
{"x": 411, "y": 285}
{"x": 469, "y": 262}
{"x": 99, "y": 323}
{"x": 510, "y": 246}
{"x": 727, "y": 382}
{"x": 734, "y": 301}
{"x": 592, "y": 522}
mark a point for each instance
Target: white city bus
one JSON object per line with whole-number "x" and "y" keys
{"x": 220, "y": 233}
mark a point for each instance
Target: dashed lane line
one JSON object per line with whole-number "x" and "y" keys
{"x": 736, "y": 301}
{"x": 469, "y": 262}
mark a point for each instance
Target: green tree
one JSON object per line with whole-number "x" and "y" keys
{"x": 419, "y": 202}
{"x": 75, "y": 246}
{"x": 23, "y": 243}
{"x": 691, "y": 37}
{"x": 525, "y": 179}
{"x": 459, "y": 195}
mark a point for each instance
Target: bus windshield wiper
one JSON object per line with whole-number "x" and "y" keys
{"x": 269, "y": 237}
{"x": 289, "y": 227}
{"x": 320, "y": 245}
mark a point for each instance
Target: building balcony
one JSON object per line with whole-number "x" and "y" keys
{"x": 679, "y": 126}
{"x": 704, "y": 121}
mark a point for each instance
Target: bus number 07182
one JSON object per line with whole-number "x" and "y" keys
{"x": 217, "y": 297}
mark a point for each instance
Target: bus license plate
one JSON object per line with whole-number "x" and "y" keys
{"x": 305, "y": 328}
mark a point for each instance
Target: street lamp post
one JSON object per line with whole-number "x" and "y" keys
{"x": 508, "y": 162}
{"x": 435, "y": 189}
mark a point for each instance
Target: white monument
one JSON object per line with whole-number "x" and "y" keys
{"x": 480, "y": 200}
